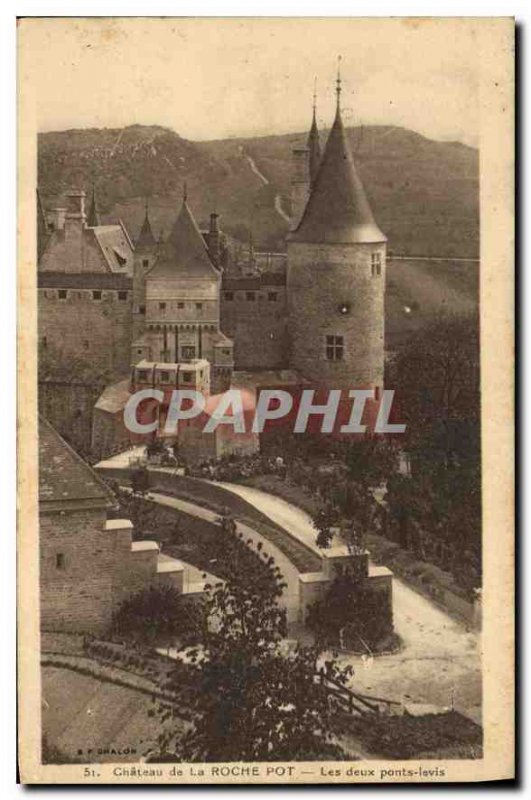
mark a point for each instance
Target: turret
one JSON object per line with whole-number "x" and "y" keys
{"x": 336, "y": 276}
{"x": 314, "y": 145}
{"x": 305, "y": 163}
{"x": 146, "y": 248}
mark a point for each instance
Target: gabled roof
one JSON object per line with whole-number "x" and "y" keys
{"x": 337, "y": 210}
{"x": 145, "y": 241}
{"x": 63, "y": 475}
{"x": 184, "y": 251}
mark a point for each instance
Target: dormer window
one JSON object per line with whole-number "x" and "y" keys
{"x": 120, "y": 256}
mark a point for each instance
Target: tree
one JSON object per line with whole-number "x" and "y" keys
{"x": 156, "y": 613}
{"x": 251, "y": 700}
{"x": 437, "y": 511}
{"x": 351, "y": 614}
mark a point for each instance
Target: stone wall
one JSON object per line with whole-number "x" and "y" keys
{"x": 76, "y": 572}
{"x": 84, "y": 343}
{"x": 69, "y": 406}
{"x": 332, "y": 291}
{"x": 81, "y": 334}
{"x": 258, "y": 326}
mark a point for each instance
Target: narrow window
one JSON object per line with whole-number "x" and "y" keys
{"x": 44, "y": 341}
{"x": 199, "y": 306}
{"x": 334, "y": 348}
{"x": 164, "y": 377}
{"x": 63, "y": 294}
{"x": 141, "y": 309}
{"x": 162, "y": 306}
{"x": 86, "y": 344}
{"x": 59, "y": 560}
{"x": 180, "y": 305}
{"x": 250, "y": 296}
{"x": 272, "y": 296}
{"x": 96, "y": 294}
{"x": 376, "y": 264}
{"x": 145, "y": 263}
{"x": 229, "y": 295}
{"x": 122, "y": 295}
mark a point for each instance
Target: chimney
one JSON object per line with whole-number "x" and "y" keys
{"x": 55, "y": 219}
{"x": 76, "y": 205}
{"x": 300, "y": 183}
{"x": 76, "y": 220}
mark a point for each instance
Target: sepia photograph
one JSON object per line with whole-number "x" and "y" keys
{"x": 266, "y": 528}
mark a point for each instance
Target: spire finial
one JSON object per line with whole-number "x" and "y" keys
{"x": 185, "y": 192}
{"x": 314, "y": 95}
{"x": 146, "y": 206}
{"x": 338, "y": 80}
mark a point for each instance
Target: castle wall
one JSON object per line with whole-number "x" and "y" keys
{"x": 254, "y": 315}
{"x": 85, "y": 331}
{"x": 322, "y": 280}
{"x": 83, "y": 344}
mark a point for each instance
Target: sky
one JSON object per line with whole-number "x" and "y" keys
{"x": 213, "y": 79}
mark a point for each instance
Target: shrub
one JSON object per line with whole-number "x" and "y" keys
{"x": 156, "y": 613}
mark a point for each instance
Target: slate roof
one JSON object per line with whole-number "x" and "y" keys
{"x": 337, "y": 211}
{"x": 83, "y": 280}
{"x": 63, "y": 475}
{"x": 184, "y": 251}
{"x": 145, "y": 241}
{"x": 314, "y": 146}
{"x": 115, "y": 246}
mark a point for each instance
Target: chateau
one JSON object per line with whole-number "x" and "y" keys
{"x": 190, "y": 311}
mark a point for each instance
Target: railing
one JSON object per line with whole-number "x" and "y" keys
{"x": 354, "y": 702}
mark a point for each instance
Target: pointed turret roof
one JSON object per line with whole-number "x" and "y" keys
{"x": 184, "y": 250}
{"x": 145, "y": 241}
{"x": 337, "y": 210}
{"x": 42, "y": 228}
{"x": 314, "y": 145}
{"x": 93, "y": 219}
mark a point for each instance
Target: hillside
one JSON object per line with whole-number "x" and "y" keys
{"x": 424, "y": 193}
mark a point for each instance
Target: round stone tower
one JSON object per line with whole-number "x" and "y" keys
{"x": 336, "y": 277}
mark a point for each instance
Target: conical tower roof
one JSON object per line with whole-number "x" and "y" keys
{"x": 184, "y": 251}
{"x": 314, "y": 147}
{"x": 145, "y": 241}
{"x": 337, "y": 210}
{"x": 93, "y": 219}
